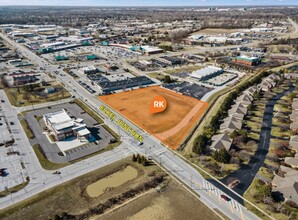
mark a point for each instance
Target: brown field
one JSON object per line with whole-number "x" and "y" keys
{"x": 170, "y": 126}
{"x": 72, "y": 196}
{"x": 174, "y": 203}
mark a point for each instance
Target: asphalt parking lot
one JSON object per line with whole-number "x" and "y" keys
{"x": 51, "y": 150}
{"x": 103, "y": 52}
{"x": 189, "y": 89}
{"x": 12, "y": 172}
{"x": 4, "y": 129}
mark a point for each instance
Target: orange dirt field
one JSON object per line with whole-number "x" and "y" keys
{"x": 170, "y": 126}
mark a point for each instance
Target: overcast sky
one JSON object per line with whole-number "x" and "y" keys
{"x": 148, "y": 2}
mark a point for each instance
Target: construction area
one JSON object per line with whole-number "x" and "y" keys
{"x": 170, "y": 126}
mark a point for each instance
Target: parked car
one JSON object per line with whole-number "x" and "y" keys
{"x": 234, "y": 183}
{"x": 3, "y": 172}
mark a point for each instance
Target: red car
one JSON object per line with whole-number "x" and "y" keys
{"x": 225, "y": 198}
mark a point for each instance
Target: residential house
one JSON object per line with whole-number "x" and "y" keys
{"x": 292, "y": 161}
{"x": 295, "y": 104}
{"x": 251, "y": 90}
{"x": 294, "y": 143}
{"x": 291, "y": 75}
{"x": 230, "y": 124}
{"x": 269, "y": 82}
{"x": 265, "y": 86}
{"x": 294, "y": 115}
{"x": 245, "y": 99}
{"x": 294, "y": 126}
{"x": 237, "y": 108}
{"x": 221, "y": 141}
{"x": 287, "y": 184}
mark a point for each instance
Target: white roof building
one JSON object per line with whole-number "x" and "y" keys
{"x": 216, "y": 39}
{"x": 59, "y": 120}
{"x": 63, "y": 126}
{"x": 208, "y": 71}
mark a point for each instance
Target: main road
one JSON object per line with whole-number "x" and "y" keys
{"x": 169, "y": 160}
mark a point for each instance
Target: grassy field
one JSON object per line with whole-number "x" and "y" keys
{"x": 23, "y": 98}
{"x": 27, "y": 129}
{"x": 72, "y": 197}
{"x": 173, "y": 203}
{"x": 184, "y": 69}
{"x": 157, "y": 75}
{"x": 207, "y": 163}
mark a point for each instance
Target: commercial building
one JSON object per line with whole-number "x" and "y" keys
{"x": 124, "y": 84}
{"x": 62, "y": 126}
{"x": 90, "y": 70}
{"x": 248, "y": 61}
{"x": 207, "y": 73}
{"x": 148, "y": 50}
{"x": 60, "y": 58}
{"x": 22, "y": 80}
{"x": 91, "y": 57}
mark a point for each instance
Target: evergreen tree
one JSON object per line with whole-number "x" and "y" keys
{"x": 222, "y": 156}
{"x": 134, "y": 158}
{"x": 200, "y": 145}
{"x": 139, "y": 159}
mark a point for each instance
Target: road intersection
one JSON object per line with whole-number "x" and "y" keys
{"x": 41, "y": 180}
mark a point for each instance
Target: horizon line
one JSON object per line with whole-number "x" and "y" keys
{"x": 215, "y": 5}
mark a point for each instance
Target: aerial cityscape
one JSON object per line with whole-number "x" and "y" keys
{"x": 152, "y": 110}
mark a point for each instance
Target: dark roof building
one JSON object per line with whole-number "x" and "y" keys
{"x": 124, "y": 84}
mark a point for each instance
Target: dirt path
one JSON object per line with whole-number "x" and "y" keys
{"x": 199, "y": 107}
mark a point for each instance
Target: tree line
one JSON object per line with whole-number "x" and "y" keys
{"x": 201, "y": 142}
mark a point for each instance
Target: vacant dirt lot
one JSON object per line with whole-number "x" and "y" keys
{"x": 171, "y": 204}
{"x": 169, "y": 126}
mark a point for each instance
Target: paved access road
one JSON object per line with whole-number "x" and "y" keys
{"x": 179, "y": 168}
